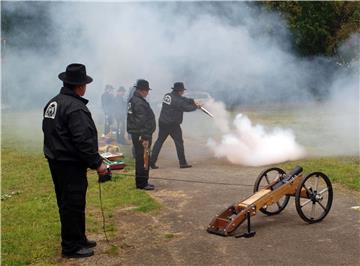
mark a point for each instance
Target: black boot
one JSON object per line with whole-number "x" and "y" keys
{"x": 147, "y": 187}
{"x": 89, "y": 243}
{"x": 185, "y": 165}
{"x": 81, "y": 253}
{"x": 154, "y": 166}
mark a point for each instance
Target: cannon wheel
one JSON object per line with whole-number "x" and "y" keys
{"x": 313, "y": 197}
{"x": 267, "y": 177}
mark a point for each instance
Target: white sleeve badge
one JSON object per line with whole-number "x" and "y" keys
{"x": 51, "y": 110}
{"x": 167, "y": 99}
{"x": 129, "y": 108}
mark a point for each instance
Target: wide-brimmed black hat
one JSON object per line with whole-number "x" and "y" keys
{"x": 178, "y": 86}
{"x": 142, "y": 84}
{"x": 75, "y": 74}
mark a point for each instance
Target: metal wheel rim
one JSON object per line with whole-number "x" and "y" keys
{"x": 320, "y": 195}
{"x": 280, "y": 205}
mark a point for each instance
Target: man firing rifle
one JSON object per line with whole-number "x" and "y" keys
{"x": 171, "y": 116}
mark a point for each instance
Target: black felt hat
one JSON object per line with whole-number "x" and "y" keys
{"x": 142, "y": 84}
{"x": 178, "y": 86}
{"x": 75, "y": 74}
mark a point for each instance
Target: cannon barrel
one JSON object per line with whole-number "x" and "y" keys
{"x": 296, "y": 171}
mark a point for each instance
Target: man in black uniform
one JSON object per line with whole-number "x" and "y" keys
{"x": 107, "y": 103}
{"x": 171, "y": 116}
{"x": 71, "y": 146}
{"x": 141, "y": 125}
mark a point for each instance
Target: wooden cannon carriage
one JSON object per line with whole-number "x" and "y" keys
{"x": 272, "y": 190}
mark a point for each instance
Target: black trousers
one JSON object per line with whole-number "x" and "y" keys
{"x": 120, "y": 130}
{"x": 174, "y": 130}
{"x": 141, "y": 174}
{"x": 108, "y": 122}
{"x": 70, "y": 183}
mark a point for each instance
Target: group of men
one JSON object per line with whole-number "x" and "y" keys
{"x": 71, "y": 146}
{"x": 114, "y": 105}
{"x": 141, "y": 125}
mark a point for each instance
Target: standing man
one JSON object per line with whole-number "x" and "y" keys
{"x": 71, "y": 146}
{"x": 107, "y": 103}
{"x": 120, "y": 114}
{"x": 141, "y": 125}
{"x": 129, "y": 96}
{"x": 171, "y": 116}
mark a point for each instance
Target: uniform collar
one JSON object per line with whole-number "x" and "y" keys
{"x": 70, "y": 92}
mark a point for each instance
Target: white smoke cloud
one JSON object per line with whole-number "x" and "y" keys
{"x": 221, "y": 118}
{"x": 343, "y": 104}
{"x": 252, "y": 145}
{"x": 241, "y": 52}
{"x": 237, "y": 52}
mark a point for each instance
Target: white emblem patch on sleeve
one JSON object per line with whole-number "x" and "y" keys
{"x": 167, "y": 99}
{"x": 51, "y": 110}
{"x": 129, "y": 108}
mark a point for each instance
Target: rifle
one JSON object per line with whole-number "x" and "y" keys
{"x": 146, "y": 154}
{"x": 206, "y": 112}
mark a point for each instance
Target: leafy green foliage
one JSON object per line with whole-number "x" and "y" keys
{"x": 27, "y": 25}
{"x": 319, "y": 27}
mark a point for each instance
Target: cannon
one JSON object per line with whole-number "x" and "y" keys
{"x": 272, "y": 190}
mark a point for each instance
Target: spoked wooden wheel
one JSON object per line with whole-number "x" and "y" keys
{"x": 313, "y": 197}
{"x": 266, "y": 178}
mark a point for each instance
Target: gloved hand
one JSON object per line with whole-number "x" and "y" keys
{"x": 104, "y": 174}
{"x": 102, "y": 169}
{"x": 144, "y": 142}
{"x": 198, "y": 104}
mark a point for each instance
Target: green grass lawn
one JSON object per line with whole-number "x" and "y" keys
{"x": 341, "y": 170}
{"x": 30, "y": 221}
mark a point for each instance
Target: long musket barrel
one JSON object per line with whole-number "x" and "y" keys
{"x": 206, "y": 112}
{"x": 146, "y": 157}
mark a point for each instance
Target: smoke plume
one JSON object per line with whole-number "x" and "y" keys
{"x": 252, "y": 145}
{"x": 237, "y": 52}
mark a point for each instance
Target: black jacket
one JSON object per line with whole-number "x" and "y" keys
{"x": 120, "y": 107}
{"x": 140, "y": 117}
{"x": 107, "y": 102}
{"x": 69, "y": 130}
{"x": 173, "y": 108}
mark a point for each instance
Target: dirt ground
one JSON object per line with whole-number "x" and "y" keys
{"x": 176, "y": 235}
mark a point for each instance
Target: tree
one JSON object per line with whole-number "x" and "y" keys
{"x": 319, "y": 27}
